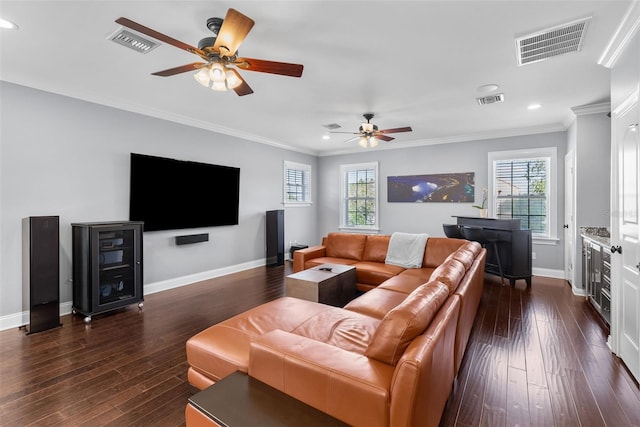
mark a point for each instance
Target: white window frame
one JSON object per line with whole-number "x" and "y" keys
{"x": 552, "y": 185}
{"x": 344, "y": 169}
{"x": 306, "y": 177}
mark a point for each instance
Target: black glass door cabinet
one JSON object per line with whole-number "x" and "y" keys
{"x": 107, "y": 266}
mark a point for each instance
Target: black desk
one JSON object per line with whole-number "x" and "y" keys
{"x": 240, "y": 400}
{"x": 515, "y": 246}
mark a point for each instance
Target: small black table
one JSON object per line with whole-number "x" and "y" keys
{"x": 240, "y": 400}
{"x": 294, "y": 247}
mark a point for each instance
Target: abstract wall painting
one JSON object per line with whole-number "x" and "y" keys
{"x": 446, "y": 187}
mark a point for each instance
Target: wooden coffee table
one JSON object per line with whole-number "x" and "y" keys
{"x": 332, "y": 284}
{"x": 240, "y": 400}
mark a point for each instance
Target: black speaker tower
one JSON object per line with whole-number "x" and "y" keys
{"x": 41, "y": 272}
{"x": 275, "y": 238}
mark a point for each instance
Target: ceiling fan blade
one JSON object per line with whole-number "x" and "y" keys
{"x": 159, "y": 36}
{"x": 178, "y": 70}
{"x": 384, "y": 137}
{"x": 353, "y": 133}
{"x": 263, "y": 66}
{"x": 233, "y": 31}
{"x": 353, "y": 139}
{"x": 396, "y": 130}
{"x": 243, "y": 88}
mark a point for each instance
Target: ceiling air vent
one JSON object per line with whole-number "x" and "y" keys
{"x": 491, "y": 99}
{"x": 133, "y": 41}
{"x": 551, "y": 42}
{"x": 332, "y": 126}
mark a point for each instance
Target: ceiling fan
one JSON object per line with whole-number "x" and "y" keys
{"x": 220, "y": 54}
{"x": 369, "y": 134}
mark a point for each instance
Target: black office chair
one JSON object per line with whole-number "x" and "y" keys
{"x": 477, "y": 234}
{"x": 452, "y": 231}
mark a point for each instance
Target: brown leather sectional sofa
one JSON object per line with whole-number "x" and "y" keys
{"x": 388, "y": 358}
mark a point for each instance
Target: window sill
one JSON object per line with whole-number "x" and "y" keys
{"x": 364, "y": 230}
{"x": 296, "y": 205}
{"x": 548, "y": 241}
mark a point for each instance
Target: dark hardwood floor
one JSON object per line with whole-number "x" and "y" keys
{"x": 537, "y": 357}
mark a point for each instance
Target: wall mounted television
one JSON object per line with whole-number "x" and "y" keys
{"x": 170, "y": 194}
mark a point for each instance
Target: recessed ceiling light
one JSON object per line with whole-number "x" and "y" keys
{"x": 488, "y": 88}
{"x": 325, "y": 136}
{"x": 7, "y": 24}
{"x": 534, "y": 106}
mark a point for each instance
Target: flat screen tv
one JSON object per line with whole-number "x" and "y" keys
{"x": 170, "y": 194}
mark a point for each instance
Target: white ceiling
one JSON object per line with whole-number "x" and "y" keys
{"x": 411, "y": 63}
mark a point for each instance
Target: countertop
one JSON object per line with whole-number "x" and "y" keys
{"x": 599, "y": 235}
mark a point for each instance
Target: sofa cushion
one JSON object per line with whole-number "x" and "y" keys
{"x": 375, "y": 249}
{"x": 314, "y": 262}
{"x": 422, "y": 274}
{"x": 348, "y": 330}
{"x": 377, "y": 302}
{"x": 406, "y": 321}
{"x": 438, "y": 249}
{"x": 374, "y": 273}
{"x": 450, "y": 273}
{"x": 467, "y": 253}
{"x": 345, "y": 245}
{"x": 406, "y": 283}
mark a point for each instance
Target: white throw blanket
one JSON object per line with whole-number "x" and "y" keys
{"x": 406, "y": 249}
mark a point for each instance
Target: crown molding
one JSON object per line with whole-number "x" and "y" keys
{"x": 626, "y": 30}
{"x": 581, "y": 110}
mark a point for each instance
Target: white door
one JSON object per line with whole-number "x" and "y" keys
{"x": 626, "y": 228}
{"x": 569, "y": 231}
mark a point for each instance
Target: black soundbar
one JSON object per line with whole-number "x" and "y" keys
{"x": 192, "y": 238}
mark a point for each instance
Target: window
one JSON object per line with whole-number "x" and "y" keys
{"x": 522, "y": 186}
{"x": 297, "y": 184}
{"x": 359, "y": 193}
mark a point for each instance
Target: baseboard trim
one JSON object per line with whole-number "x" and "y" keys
{"x": 17, "y": 320}
{"x": 152, "y": 288}
{"x": 548, "y": 272}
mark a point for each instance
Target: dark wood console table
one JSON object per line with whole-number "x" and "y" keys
{"x": 515, "y": 246}
{"x": 240, "y": 400}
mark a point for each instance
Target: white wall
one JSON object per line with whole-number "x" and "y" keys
{"x": 61, "y": 156}
{"x": 445, "y": 158}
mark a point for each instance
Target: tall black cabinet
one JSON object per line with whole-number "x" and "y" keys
{"x": 41, "y": 272}
{"x": 275, "y": 237}
{"x": 107, "y": 266}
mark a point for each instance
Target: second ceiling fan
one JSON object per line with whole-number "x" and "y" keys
{"x": 368, "y": 134}
{"x": 220, "y": 54}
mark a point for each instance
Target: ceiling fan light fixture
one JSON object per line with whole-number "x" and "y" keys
{"x": 202, "y": 77}
{"x": 367, "y": 127}
{"x": 216, "y": 52}
{"x": 219, "y": 86}
{"x": 233, "y": 80}
{"x": 217, "y": 72}
{"x": 367, "y": 142}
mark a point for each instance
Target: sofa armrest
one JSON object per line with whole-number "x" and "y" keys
{"x": 346, "y": 385}
{"x": 301, "y": 256}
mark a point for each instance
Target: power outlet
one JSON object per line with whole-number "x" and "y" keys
{"x": 533, "y": 255}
